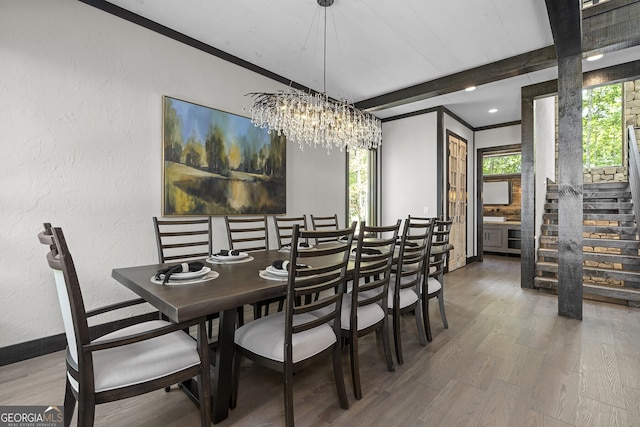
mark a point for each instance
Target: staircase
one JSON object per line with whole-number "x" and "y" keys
{"x": 611, "y": 269}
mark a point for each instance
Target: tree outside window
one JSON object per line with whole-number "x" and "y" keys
{"x": 602, "y": 126}
{"x": 502, "y": 164}
{"x": 359, "y": 186}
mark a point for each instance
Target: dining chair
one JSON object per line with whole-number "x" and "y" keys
{"x": 364, "y": 309}
{"x": 184, "y": 240}
{"x": 293, "y": 339}
{"x": 321, "y": 223}
{"x": 433, "y": 283}
{"x": 134, "y": 360}
{"x": 406, "y": 280}
{"x": 284, "y": 227}
{"x": 248, "y": 234}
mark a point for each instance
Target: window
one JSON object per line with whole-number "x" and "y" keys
{"x": 362, "y": 185}
{"x": 602, "y": 126}
{"x": 501, "y": 164}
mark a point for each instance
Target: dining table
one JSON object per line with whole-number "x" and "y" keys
{"x": 237, "y": 283}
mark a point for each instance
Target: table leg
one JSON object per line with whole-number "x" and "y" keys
{"x": 222, "y": 382}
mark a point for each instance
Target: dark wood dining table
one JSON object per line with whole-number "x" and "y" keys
{"x": 237, "y": 284}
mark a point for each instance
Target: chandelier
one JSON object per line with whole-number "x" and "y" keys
{"x": 315, "y": 119}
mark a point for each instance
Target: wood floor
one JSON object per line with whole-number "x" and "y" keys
{"x": 507, "y": 359}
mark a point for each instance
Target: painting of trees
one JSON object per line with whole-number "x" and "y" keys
{"x": 217, "y": 163}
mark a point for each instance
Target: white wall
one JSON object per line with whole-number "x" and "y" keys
{"x": 496, "y": 137}
{"x": 544, "y": 124}
{"x": 409, "y": 161}
{"x": 80, "y": 113}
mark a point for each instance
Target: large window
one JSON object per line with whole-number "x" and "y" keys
{"x": 602, "y": 126}
{"x": 362, "y": 185}
{"x": 501, "y": 164}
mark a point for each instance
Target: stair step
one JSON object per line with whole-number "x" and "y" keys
{"x": 605, "y": 291}
{"x": 589, "y": 186}
{"x": 604, "y": 243}
{"x": 620, "y": 217}
{"x": 596, "y": 206}
{"x": 596, "y": 195}
{"x": 603, "y": 273}
{"x": 630, "y": 260}
{"x": 609, "y": 229}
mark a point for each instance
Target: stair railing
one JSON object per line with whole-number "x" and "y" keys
{"x": 634, "y": 171}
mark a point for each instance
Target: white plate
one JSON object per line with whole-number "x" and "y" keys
{"x": 272, "y": 270}
{"x": 209, "y": 276}
{"x": 287, "y": 248}
{"x": 266, "y": 275}
{"x": 241, "y": 255}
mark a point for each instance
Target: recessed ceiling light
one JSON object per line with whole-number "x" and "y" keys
{"x": 470, "y": 88}
{"x": 595, "y": 57}
{"x": 493, "y": 110}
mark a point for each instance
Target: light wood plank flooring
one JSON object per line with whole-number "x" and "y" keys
{"x": 507, "y": 359}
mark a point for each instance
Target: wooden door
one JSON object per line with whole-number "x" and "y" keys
{"x": 457, "y": 199}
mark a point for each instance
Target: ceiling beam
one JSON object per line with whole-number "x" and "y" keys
{"x": 517, "y": 65}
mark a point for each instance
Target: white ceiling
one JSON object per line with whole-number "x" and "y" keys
{"x": 376, "y": 46}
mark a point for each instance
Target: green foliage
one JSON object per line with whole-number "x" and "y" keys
{"x": 602, "y": 126}
{"x": 501, "y": 165}
{"x": 172, "y": 133}
{"x": 217, "y": 161}
{"x": 359, "y": 185}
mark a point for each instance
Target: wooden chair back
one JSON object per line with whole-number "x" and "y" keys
{"x": 372, "y": 270}
{"x": 284, "y": 227}
{"x": 322, "y": 223}
{"x": 247, "y": 233}
{"x": 440, "y": 247}
{"x": 181, "y": 240}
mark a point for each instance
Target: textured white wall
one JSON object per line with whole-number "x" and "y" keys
{"x": 409, "y": 164}
{"x": 80, "y": 119}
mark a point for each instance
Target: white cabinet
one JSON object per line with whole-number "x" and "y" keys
{"x": 502, "y": 237}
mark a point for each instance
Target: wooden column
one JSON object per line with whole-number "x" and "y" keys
{"x": 565, "y": 18}
{"x": 570, "y": 175}
{"x": 527, "y": 209}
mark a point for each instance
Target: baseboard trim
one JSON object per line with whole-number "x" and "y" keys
{"x": 41, "y": 346}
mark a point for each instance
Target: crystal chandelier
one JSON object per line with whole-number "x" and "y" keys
{"x": 315, "y": 119}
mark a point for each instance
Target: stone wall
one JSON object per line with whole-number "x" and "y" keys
{"x": 632, "y": 106}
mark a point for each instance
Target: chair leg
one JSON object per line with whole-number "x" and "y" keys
{"x": 386, "y": 345}
{"x": 442, "y": 312}
{"x": 288, "y": 395}
{"x": 427, "y": 321}
{"x": 69, "y": 404}
{"x": 86, "y": 411}
{"x": 396, "y": 337}
{"x": 355, "y": 365}
{"x": 338, "y": 376}
{"x": 257, "y": 311}
{"x": 240, "y": 316}
{"x": 422, "y": 336}
{"x": 204, "y": 383}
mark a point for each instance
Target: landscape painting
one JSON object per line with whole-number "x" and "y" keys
{"x": 217, "y": 163}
